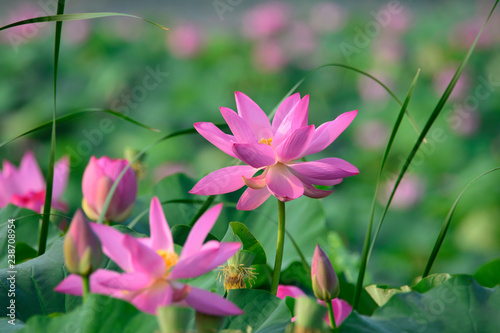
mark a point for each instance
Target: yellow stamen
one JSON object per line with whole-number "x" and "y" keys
{"x": 170, "y": 258}
{"x": 234, "y": 276}
{"x": 266, "y": 141}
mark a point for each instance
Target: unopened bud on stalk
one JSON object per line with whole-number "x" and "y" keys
{"x": 82, "y": 248}
{"x": 324, "y": 280}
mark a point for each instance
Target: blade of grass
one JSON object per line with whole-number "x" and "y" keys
{"x": 393, "y": 95}
{"x": 435, "y": 113}
{"x": 78, "y": 114}
{"x": 44, "y": 227}
{"x": 446, "y": 224}
{"x": 365, "y": 253}
{"x": 145, "y": 211}
{"x": 74, "y": 17}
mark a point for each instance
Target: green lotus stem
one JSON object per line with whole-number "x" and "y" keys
{"x": 329, "y": 305}
{"x": 85, "y": 286}
{"x": 279, "y": 247}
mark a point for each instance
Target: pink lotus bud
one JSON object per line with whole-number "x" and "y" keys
{"x": 324, "y": 280}
{"x": 98, "y": 178}
{"x": 82, "y": 248}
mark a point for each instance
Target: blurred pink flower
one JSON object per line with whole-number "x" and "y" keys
{"x": 327, "y": 17}
{"x": 152, "y": 269}
{"x": 22, "y": 33}
{"x": 185, "y": 40}
{"x": 98, "y": 178}
{"x": 292, "y": 291}
{"x": 274, "y": 150}
{"x": 464, "y": 34}
{"x": 464, "y": 122}
{"x": 398, "y": 18}
{"x": 341, "y": 309}
{"x": 408, "y": 194}
{"x": 269, "y": 56}
{"x": 76, "y": 32}
{"x": 443, "y": 78}
{"x": 25, "y": 186}
{"x": 266, "y": 19}
{"x": 372, "y": 135}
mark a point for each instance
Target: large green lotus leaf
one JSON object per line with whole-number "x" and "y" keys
{"x": 305, "y": 221}
{"x": 459, "y": 304}
{"x": 99, "y": 314}
{"x": 36, "y": 279}
{"x": 26, "y": 233}
{"x": 239, "y": 232}
{"x": 6, "y": 327}
{"x": 488, "y": 274}
{"x": 381, "y": 294}
{"x": 264, "y": 312}
{"x": 430, "y": 282}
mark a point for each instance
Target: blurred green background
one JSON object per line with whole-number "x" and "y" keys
{"x": 262, "y": 49}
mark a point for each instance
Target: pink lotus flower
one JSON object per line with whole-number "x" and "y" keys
{"x": 99, "y": 176}
{"x": 152, "y": 268}
{"x": 274, "y": 150}
{"x": 25, "y": 186}
{"x": 341, "y": 309}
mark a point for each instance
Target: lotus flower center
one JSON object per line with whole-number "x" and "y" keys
{"x": 170, "y": 258}
{"x": 266, "y": 141}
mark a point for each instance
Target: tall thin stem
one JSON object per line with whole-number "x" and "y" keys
{"x": 329, "y": 305}
{"x": 44, "y": 226}
{"x": 85, "y": 286}
{"x": 279, "y": 247}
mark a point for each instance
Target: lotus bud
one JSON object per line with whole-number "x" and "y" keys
{"x": 324, "y": 280}
{"x": 98, "y": 178}
{"x": 82, "y": 248}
